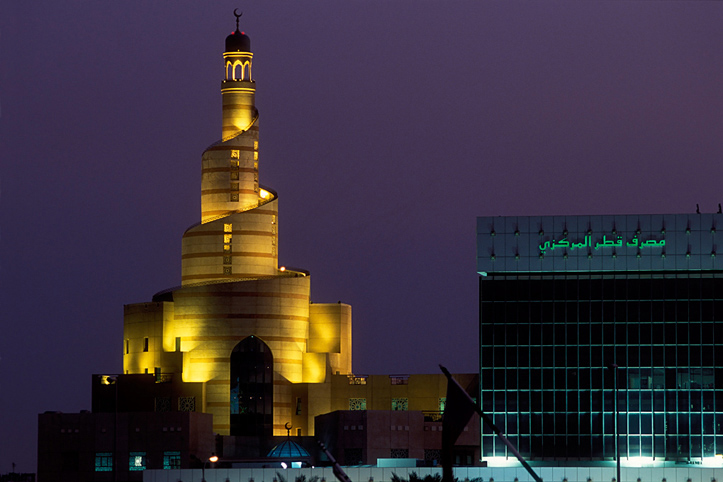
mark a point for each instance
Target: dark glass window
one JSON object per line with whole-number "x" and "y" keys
{"x": 251, "y": 388}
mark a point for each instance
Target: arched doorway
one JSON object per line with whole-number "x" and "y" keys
{"x": 252, "y": 388}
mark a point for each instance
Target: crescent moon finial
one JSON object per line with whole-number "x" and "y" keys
{"x": 287, "y": 425}
{"x": 237, "y": 15}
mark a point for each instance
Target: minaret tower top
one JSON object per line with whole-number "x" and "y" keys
{"x": 238, "y": 88}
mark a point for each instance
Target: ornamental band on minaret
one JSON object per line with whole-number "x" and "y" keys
{"x": 239, "y": 339}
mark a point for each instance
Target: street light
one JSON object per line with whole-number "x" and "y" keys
{"x": 213, "y": 459}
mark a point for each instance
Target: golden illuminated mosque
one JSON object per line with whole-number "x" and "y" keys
{"x": 236, "y": 359}
{"x": 240, "y": 332}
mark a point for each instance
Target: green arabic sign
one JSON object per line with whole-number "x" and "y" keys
{"x": 612, "y": 242}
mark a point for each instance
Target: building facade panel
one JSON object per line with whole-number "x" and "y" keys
{"x": 569, "y": 298}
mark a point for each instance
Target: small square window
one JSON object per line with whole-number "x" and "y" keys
{"x": 227, "y": 270}
{"x": 235, "y": 154}
{"x": 227, "y": 228}
{"x": 234, "y": 197}
{"x": 226, "y": 248}
{"x": 163, "y": 404}
{"x": 357, "y": 404}
{"x": 171, "y": 460}
{"x": 235, "y": 176}
{"x": 103, "y": 462}
{"x": 186, "y": 404}
{"x": 137, "y": 461}
{"x": 227, "y": 260}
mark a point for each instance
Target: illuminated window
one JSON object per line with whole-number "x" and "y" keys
{"x": 171, "y": 460}
{"x": 103, "y": 462}
{"x": 226, "y": 248}
{"x": 178, "y": 343}
{"x": 145, "y": 344}
{"x": 273, "y": 219}
{"x": 442, "y": 403}
{"x": 234, "y": 164}
{"x": 227, "y": 238}
{"x": 227, "y": 228}
{"x": 256, "y": 156}
{"x": 235, "y": 154}
{"x": 400, "y": 404}
{"x": 137, "y": 461}
{"x": 186, "y": 404}
{"x": 256, "y": 166}
{"x": 256, "y": 145}
{"x": 357, "y": 404}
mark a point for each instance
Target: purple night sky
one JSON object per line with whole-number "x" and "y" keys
{"x": 386, "y": 128}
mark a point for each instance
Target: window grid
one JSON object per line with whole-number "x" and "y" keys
{"x": 550, "y": 388}
{"x": 103, "y": 462}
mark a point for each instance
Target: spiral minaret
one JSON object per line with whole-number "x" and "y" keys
{"x": 240, "y": 331}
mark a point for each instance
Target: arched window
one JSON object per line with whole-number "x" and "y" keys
{"x": 238, "y": 71}
{"x": 229, "y": 71}
{"x": 252, "y": 388}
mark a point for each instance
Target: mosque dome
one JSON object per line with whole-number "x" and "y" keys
{"x": 238, "y": 42}
{"x": 287, "y": 450}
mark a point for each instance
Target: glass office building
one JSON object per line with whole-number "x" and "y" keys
{"x": 563, "y": 299}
